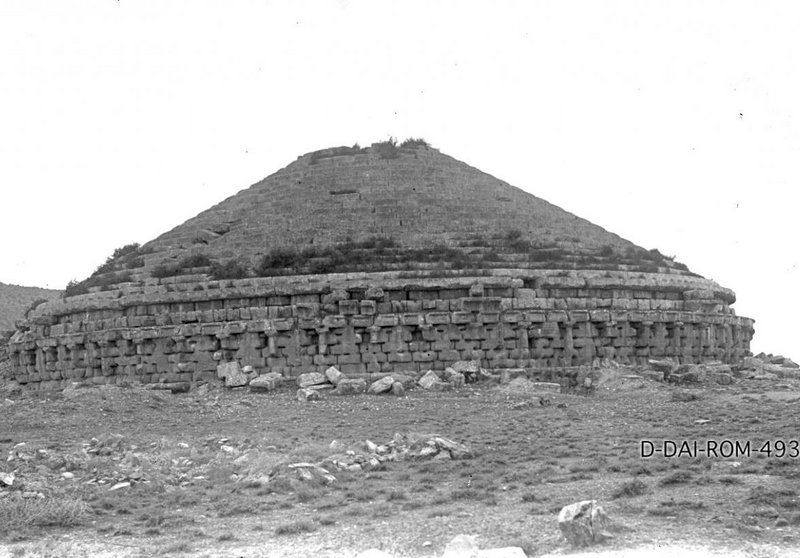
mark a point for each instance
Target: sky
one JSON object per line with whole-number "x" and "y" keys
{"x": 673, "y": 124}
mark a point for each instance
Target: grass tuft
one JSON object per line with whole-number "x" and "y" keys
{"x": 296, "y": 527}
{"x": 18, "y": 513}
{"x": 678, "y": 477}
{"x": 630, "y": 489}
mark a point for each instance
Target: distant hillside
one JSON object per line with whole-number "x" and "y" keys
{"x": 15, "y": 300}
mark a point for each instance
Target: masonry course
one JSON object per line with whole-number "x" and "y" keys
{"x": 515, "y": 313}
{"x": 293, "y": 325}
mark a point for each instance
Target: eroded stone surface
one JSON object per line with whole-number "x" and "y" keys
{"x": 351, "y": 387}
{"x": 266, "y": 382}
{"x": 306, "y": 394}
{"x": 518, "y": 313}
{"x": 381, "y": 386}
{"x": 583, "y": 523}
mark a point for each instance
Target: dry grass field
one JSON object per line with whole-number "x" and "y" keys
{"x": 124, "y": 471}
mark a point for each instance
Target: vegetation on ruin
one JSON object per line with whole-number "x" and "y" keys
{"x": 375, "y": 253}
{"x": 381, "y": 253}
{"x": 113, "y": 271}
{"x": 326, "y": 259}
{"x": 105, "y": 282}
{"x": 413, "y": 143}
{"x": 387, "y": 149}
{"x": 182, "y": 266}
{"x": 130, "y": 256}
{"x": 229, "y": 269}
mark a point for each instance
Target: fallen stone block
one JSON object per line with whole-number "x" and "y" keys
{"x": 465, "y": 546}
{"x": 408, "y": 380}
{"x": 333, "y": 375}
{"x": 722, "y": 378}
{"x": 305, "y": 394}
{"x": 381, "y": 386}
{"x": 765, "y": 376}
{"x": 693, "y": 373}
{"x": 456, "y": 378}
{"x": 309, "y": 472}
{"x": 665, "y": 366}
{"x": 321, "y": 387}
{"x": 311, "y": 379}
{"x": 398, "y": 390}
{"x": 751, "y": 363}
{"x": 250, "y": 372}
{"x": 232, "y": 373}
{"x": 716, "y": 367}
{"x": 470, "y": 368}
{"x": 462, "y": 546}
{"x": 429, "y": 380}
{"x": 454, "y": 449}
{"x": 782, "y": 361}
{"x": 266, "y": 382}
{"x": 350, "y": 387}
{"x": 583, "y": 523}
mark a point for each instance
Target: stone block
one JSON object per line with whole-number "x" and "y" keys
{"x": 305, "y": 394}
{"x": 435, "y": 318}
{"x": 350, "y": 387}
{"x": 386, "y": 320}
{"x": 449, "y": 355}
{"x": 333, "y": 375}
{"x": 266, "y": 382}
{"x": 353, "y": 369}
{"x": 399, "y": 357}
{"x": 334, "y": 322}
{"x": 366, "y": 307}
{"x": 423, "y": 356}
{"x": 461, "y": 317}
{"x": 411, "y": 319}
{"x": 381, "y": 386}
{"x": 311, "y": 379}
{"x": 232, "y": 373}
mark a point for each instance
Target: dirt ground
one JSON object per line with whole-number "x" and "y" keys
{"x": 133, "y": 472}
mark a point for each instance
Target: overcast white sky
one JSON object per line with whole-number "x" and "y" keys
{"x": 672, "y": 124}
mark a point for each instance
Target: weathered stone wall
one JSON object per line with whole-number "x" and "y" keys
{"x": 177, "y": 330}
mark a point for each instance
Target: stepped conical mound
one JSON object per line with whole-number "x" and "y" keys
{"x": 383, "y": 208}
{"x": 379, "y": 260}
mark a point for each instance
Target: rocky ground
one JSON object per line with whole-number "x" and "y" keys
{"x": 128, "y": 471}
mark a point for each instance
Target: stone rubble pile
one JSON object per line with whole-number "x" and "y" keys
{"x": 311, "y": 384}
{"x": 769, "y": 367}
{"x": 400, "y": 448}
{"x": 111, "y": 462}
{"x": 370, "y": 455}
{"x": 760, "y": 367}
